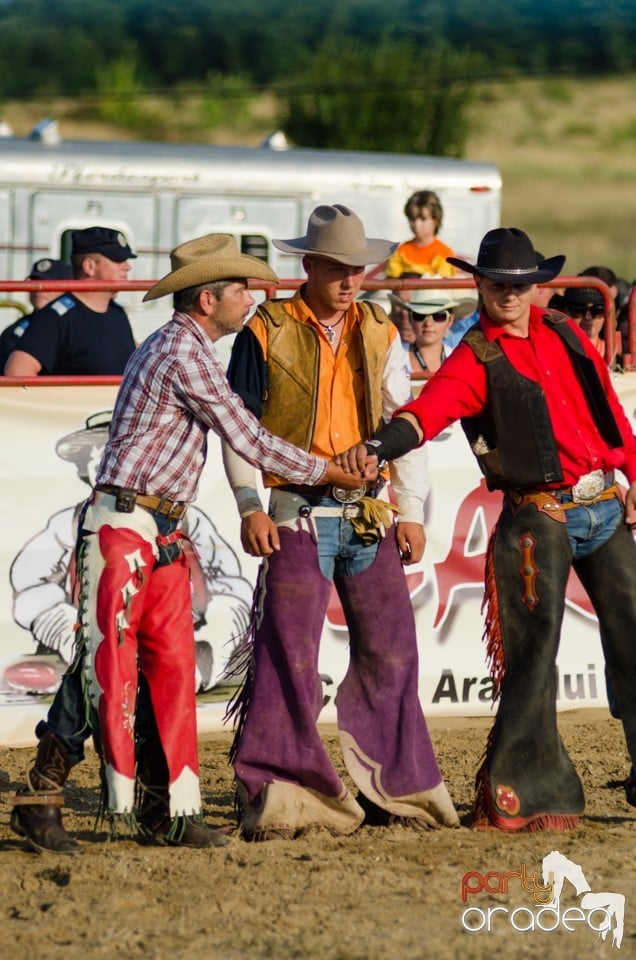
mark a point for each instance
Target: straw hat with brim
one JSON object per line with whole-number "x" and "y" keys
{"x": 506, "y": 255}
{"x": 426, "y": 302}
{"x": 337, "y": 233}
{"x": 207, "y": 259}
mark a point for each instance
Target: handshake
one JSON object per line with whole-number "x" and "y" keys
{"x": 353, "y": 468}
{"x": 359, "y": 464}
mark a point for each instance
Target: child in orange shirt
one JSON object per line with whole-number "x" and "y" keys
{"x": 424, "y": 255}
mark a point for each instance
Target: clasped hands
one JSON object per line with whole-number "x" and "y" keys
{"x": 353, "y": 468}
{"x": 259, "y": 534}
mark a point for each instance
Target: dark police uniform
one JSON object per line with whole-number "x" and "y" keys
{"x": 70, "y": 339}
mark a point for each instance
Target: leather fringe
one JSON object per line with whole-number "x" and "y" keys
{"x": 545, "y": 821}
{"x": 496, "y": 665}
{"x": 121, "y": 826}
{"x": 492, "y": 626}
{"x": 482, "y": 791}
{"x": 243, "y": 666}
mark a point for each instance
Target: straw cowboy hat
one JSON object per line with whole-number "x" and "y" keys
{"x": 426, "y": 302}
{"x": 336, "y": 233}
{"x": 506, "y": 255}
{"x": 206, "y": 259}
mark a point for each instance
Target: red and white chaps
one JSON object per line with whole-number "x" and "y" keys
{"x": 135, "y": 609}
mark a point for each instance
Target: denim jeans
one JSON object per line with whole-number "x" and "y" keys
{"x": 67, "y": 717}
{"x": 341, "y": 552}
{"x": 589, "y": 526}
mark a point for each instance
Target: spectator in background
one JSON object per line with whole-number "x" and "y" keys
{"x": 44, "y": 269}
{"x": 465, "y": 316}
{"x": 81, "y": 333}
{"x": 399, "y": 314}
{"x": 430, "y": 314}
{"x": 586, "y": 306}
{"x": 622, "y": 312}
{"x": 606, "y": 274}
{"x": 425, "y": 255}
{"x": 623, "y": 290}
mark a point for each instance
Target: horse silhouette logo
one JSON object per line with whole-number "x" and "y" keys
{"x": 557, "y": 869}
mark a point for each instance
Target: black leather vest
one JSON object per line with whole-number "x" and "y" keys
{"x": 513, "y": 439}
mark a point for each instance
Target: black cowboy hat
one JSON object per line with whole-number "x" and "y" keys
{"x": 506, "y": 255}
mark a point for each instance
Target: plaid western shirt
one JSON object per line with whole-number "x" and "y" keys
{"x": 173, "y": 391}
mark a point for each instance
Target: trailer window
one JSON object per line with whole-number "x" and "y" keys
{"x": 66, "y": 245}
{"x": 256, "y": 245}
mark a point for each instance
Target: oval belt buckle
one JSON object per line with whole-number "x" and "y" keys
{"x": 348, "y": 496}
{"x": 588, "y": 487}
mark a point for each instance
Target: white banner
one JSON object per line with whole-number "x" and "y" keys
{"x": 52, "y": 436}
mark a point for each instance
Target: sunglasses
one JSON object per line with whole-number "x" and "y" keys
{"x": 440, "y": 317}
{"x": 582, "y": 311}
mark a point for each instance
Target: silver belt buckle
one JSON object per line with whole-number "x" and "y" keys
{"x": 348, "y": 496}
{"x": 588, "y": 487}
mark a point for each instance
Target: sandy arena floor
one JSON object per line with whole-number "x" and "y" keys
{"x": 381, "y": 893}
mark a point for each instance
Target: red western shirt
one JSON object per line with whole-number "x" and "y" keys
{"x": 460, "y": 389}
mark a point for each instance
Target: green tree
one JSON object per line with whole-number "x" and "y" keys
{"x": 387, "y": 98}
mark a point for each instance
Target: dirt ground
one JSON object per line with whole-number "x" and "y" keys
{"x": 382, "y": 893}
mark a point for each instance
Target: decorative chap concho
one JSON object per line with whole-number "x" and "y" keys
{"x": 507, "y": 800}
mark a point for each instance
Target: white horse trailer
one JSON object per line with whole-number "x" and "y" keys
{"x": 162, "y": 194}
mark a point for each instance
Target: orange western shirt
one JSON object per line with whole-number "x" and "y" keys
{"x": 341, "y": 419}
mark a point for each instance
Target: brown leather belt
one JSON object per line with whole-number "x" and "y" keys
{"x": 608, "y": 494}
{"x": 172, "y": 509}
{"x": 546, "y": 502}
{"x": 601, "y": 483}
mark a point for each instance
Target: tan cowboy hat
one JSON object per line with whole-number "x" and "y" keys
{"x": 337, "y": 233}
{"x": 206, "y": 259}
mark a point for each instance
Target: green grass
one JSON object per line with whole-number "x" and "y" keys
{"x": 567, "y": 153}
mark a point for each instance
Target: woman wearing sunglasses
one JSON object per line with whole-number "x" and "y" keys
{"x": 431, "y": 315}
{"x": 585, "y": 305}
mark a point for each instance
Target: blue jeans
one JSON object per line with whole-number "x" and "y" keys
{"x": 589, "y": 526}
{"x": 341, "y": 552}
{"x": 67, "y": 717}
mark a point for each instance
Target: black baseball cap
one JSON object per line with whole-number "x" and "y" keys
{"x": 46, "y": 269}
{"x": 110, "y": 243}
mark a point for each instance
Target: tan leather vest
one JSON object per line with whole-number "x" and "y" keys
{"x": 293, "y": 356}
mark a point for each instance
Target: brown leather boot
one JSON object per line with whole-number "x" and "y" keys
{"x": 37, "y": 813}
{"x": 153, "y": 807}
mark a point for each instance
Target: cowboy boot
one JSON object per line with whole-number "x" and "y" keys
{"x": 153, "y": 806}
{"x": 36, "y": 813}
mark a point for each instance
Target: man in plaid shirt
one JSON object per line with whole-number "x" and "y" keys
{"x": 132, "y": 572}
